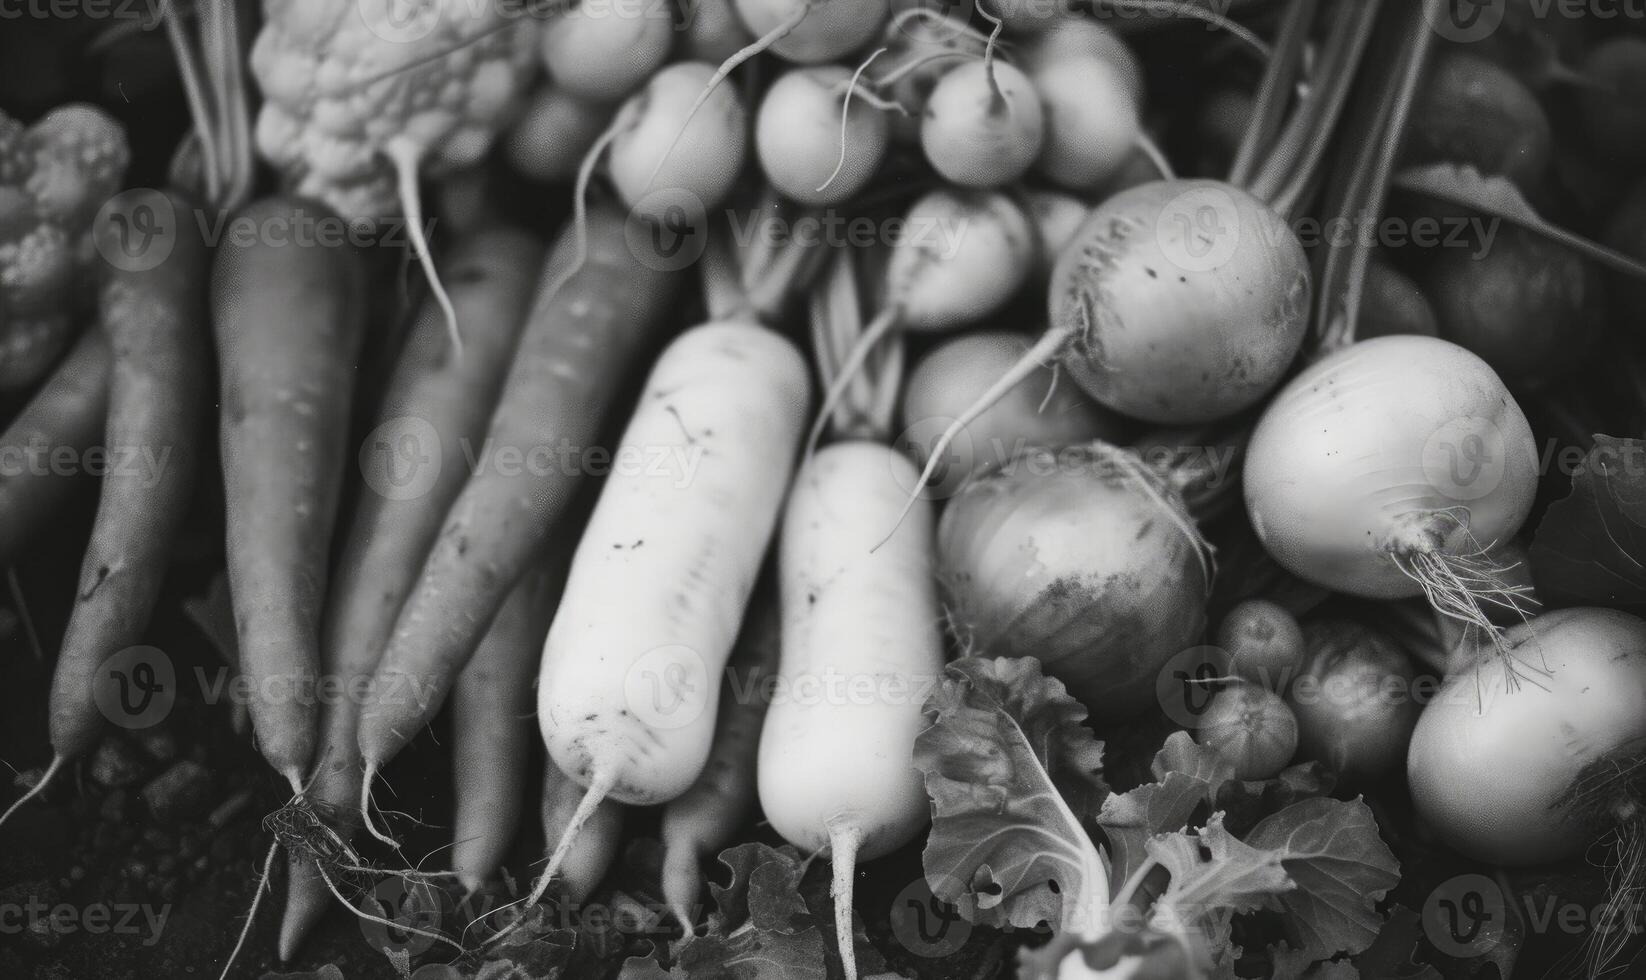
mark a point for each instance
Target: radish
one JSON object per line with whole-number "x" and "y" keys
{"x": 594, "y": 846}
{"x": 983, "y": 124}
{"x": 869, "y": 619}
{"x": 1264, "y": 643}
{"x": 1057, "y": 219}
{"x": 602, "y": 54}
{"x": 962, "y": 256}
{"x": 1356, "y": 700}
{"x": 1520, "y": 771}
{"x": 712, "y": 31}
{"x": 1387, "y": 468}
{"x": 709, "y": 146}
{"x": 626, "y": 694}
{"x": 811, "y": 32}
{"x": 1251, "y": 729}
{"x": 920, "y": 46}
{"x": 803, "y": 117}
{"x": 1179, "y": 302}
{"x": 1037, "y": 413}
{"x": 554, "y": 133}
{"x": 806, "y": 32}
{"x": 1083, "y": 559}
{"x": 1092, "y": 88}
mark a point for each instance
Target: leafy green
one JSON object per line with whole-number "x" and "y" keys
{"x": 1332, "y": 849}
{"x": 1590, "y": 548}
{"x": 1389, "y": 957}
{"x": 1015, "y": 777}
{"x": 1187, "y": 775}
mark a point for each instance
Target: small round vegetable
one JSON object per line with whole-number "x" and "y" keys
{"x": 1264, "y": 643}
{"x": 1037, "y": 413}
{"x": 1354, "y": 702}
{"x": 1474, "y": 111}
{"x": 602, "y": 54}
{"x": 1531, "y": 308}
{"x": 813, "y": 31}
{"x": 1251, "y": 728}
{"x": 965, "y": 253}
{"x": 1528, "y": 761}
{"x": 920, "y": 47}
{"x": 1092, "y": 89}
{"x": 1057, "y": 220}
{"x": 710, "y": 146}
{"x": 1393, "y": 304}
{"x": 1615, "y": 121}
{"x": 1181, "y": 301}
{"x": 1387, "y": 468}
{"x": 983, "y": 124}
{"x": 804, "y": 149}
{"x": 549, "y": 139}
{"x": 712, "y": 31}
{"x": 1082, "y": 558}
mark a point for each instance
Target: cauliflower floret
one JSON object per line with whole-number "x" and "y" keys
{"x": 54, "y": 176}
{"x": 341, "y": 81}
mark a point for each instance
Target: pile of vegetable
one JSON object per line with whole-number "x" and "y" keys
{"x": 861, "y": 489}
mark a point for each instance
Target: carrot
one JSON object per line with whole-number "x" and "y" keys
{"x": 580, "y": 342}
{"x": 491, "y": 713}
{"x": 155, "y": 325}
{"x": 706, "y": 818}
{"x": 67, "y": 411}
{"x": 662, "y": 576}
{"x": 287, "y": 310}
{"x": 592, "y": 851}
{"x": 436, "y": 404}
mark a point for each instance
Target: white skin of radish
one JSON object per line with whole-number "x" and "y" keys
{"x": 706, "y": 161}
{"x": 1357, "y": 454}
{"x": 1057, "y": 219}
{"x": 604, "y": 55}
{"x": 1084, "y": 39}
{"x": 1092, "y": 119}
{"x": 966, "y": 253}
{"x": 831, "y": 29}
{"x": 840, "y": 751}
{"x": 632, "y": 665}
{"x": 1187, "y": 299}
{"x": 975, "y": 136}
{"x": 797, "y": 136}
{"x": 951, "y": 376}
{"x": 917, "y": 40}
{"x": 713, "y": 32}
{"x": 1488, "y": 769}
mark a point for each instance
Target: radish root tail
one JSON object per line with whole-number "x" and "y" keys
{"x": 366, "y": 808}
{"x": 580, "y": 200}
{"x": 57, "y": 763}
{"x": 682, "y": 877}
{"x": 251, "y": 914}
{"x": 843, "y": 844}
{"x": 600, "y": 786}
{"x": 845, "y": 116}
{"x": 405, "y": 156}
{"x": 748, "y": 51}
